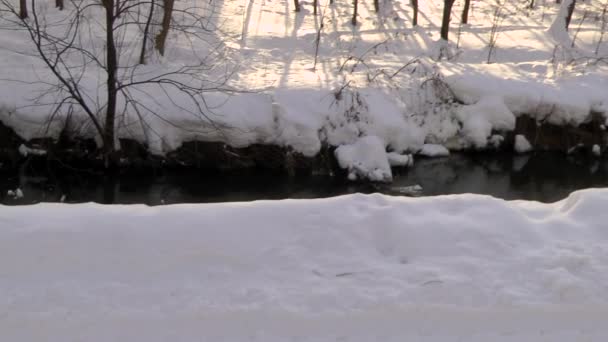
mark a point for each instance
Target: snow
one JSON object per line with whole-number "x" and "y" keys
{"x": 379, "y": 79}
{"x": 351, "y": 268}
{"x": 522, "y": 145}
{"x": 309, "y": 117}
{"x": 558, "y": 28}
{"x": 396, "y": 159}
{"x": 25, "y": 151}
{"x": 434, "y": 150}
{"x": 487, "y": 114}
{"x": 365, "y": 159}
{"x": 496, "y": 140}
{"x": 15, "y": 194}
{"x": 568, "y": 102}
{"x": 411, "y": 190}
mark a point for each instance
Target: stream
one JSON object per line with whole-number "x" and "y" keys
{"x": 545, "y": 177}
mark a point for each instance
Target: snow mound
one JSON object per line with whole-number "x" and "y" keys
{"x": 365, "y": 159}
{"x": 479, "y": 119}
{"x": 522, "y": 145}
{"x": 569, "y": 100}
{"x": 396, "y": 159}
{"x": 351, "y": 268}
{"x": 238, "y": 120}
{"x": 434, "y": 150}
{"x": 307, "y": 118}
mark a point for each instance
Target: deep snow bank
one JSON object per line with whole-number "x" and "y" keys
{"x": 302, "y": 120}
{"x": 516, "y": 88}
{"x": 495, "y": 95}
{"x": 353, "y": 268}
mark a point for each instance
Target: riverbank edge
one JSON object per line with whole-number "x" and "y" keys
{"x": 590, "y": 138}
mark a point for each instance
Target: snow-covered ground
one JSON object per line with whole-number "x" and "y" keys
{"x": 380, "y": 78}
{"x": 351, "y": 268}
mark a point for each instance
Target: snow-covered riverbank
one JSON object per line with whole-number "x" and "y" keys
{"x": 351, "y": 268}
{"x": 377, "y": 86}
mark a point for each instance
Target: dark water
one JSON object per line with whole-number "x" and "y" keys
{"x": 543, "y": 177}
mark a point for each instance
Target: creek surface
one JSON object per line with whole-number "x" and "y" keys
{"x": 545, "y": 177}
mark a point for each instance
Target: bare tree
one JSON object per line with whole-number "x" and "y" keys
{"x": 579, "y": 27}
{"x": 415, "y": 15}
{"x": 161, "y": 38}
{"x": 23, "y": 9}
{"x": 65, "y": 48}
{"x": 559, "y": 28}
{"x": 354, "y": 19}
{"x": 570, "y": 12}
{"x": 144, "y": 43}
{"x": 465, "y": 12}
{"x": 59, "y": 4}
{"x": 296, "y": 3}
{"x": 111, "y": 66}
{"x": 445, "y": 21}
{"x": 496, "y": 22}
{"x": 318, "y": 38}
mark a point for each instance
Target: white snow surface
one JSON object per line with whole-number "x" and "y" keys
{"x": 351, "y": 268}
{"x": 558, "y": 30}
{"x": 366, "y": 159}
{"x": 396, "y": 159}
{"x": 596, "y": 150}
{"x": 434, "y": 150}
{"x": 481, "y": 118}
{"x": 522, "y": 145}
{"x": 568, "y": 101}
{"x": 25, "y": 151}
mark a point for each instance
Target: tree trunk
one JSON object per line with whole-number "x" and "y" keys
{"x": 22, "y": 9}
{"x": 570, "y": 12}
{"x": 376, "y": 5}
{"x": 445, "y": 22}
{"x": 415, "y": 18}
{"x": 354, "y": 20}
{"x": 465, "y": 12}
{"x": 558, "y": 29}
{"x": 531, "y": 4}
{"x": 59, "y": 4}
{"x": 111, "y": 67}
{"x": 142, "y": 55}
{"x": 161, "y": 38}
{"x": 296, "y": 3}
{"x": 315, "y": 3}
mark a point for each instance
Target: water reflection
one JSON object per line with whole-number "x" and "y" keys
{"x": 543, "y": 177}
